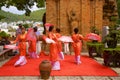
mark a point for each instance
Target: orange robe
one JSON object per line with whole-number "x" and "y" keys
{"x": 59, "y": 44}
{"x": 22, "y": 44}
{"x": 77, "y": 44}
{"x": 53, "y": 47}
{"x": 32, "y": 45}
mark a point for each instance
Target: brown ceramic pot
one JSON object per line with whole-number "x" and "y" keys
{"x": 45, "y": 69}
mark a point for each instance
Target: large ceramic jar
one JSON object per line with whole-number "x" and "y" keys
{"x": 45, "y": 69}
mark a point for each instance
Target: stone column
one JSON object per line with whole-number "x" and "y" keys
{"x": 99, "y": 14}
{"x": 85, "y": 16}
{"x": 92, "y": 13}
{"x": 51, "y": 13}
{"x": 64, "y": 24}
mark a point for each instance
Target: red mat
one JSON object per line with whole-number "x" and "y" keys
{"x": 88, "y": 67}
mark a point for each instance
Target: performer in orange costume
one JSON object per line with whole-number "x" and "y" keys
{"x": 53, "y": 50}
{"x": 47, "y": 25}
{"x": 58, "y": 35}
{"x": 77, "y": 44}
{"x": 21, "y": 38}
{"x": 32, "y": 40}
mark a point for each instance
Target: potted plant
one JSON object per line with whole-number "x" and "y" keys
{"x": 94, "y": 46}
{"x": 111, "y": 53}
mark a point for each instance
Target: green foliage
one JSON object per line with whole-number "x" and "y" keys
{"x": 118, "y": 6}
{"x": 26, "y": 25}
{"x": 1, "y": 17}
{"x": 35, "y": 16}
{"x": 118, "y": 21}
{"x": 93, "y": 29}
{"x": 22, "y": 4}
{"x": 113, "y": 37}
{"x": 41, "y": 3}
{"x": 113, "y": 18}
{"x": 97, "y": 46}
{"x": 3, "y": 34}
{"x": 9, "y": 16}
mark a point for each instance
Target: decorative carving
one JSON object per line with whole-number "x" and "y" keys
{"x": 73, "y": 19}
{"x": 109, "y": 10}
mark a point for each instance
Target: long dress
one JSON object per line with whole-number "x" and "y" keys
{"x": 32, "y": 49}
{"x": 59, "y": 45}
{"x": 32, "y": 41}
{"x": 77, "y": 46}
{"x": 54, "y": 58}
{"x": 53, "y": 47}
{"x": 22, "y": 49}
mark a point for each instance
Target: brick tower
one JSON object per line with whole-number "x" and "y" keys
{"x": 68, "y": 14}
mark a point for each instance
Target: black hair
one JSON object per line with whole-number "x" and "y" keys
{"x": 20, "y": 25}
{"x": 51, "y": 28}
{"x": 35, "y": 29}
{"x": 76, "y": 30}
{"x": 58, "y": 30}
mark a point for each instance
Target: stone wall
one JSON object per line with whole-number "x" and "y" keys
{"x": 68, "y": 14}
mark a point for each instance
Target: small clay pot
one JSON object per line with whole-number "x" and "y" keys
{"x": 45, "y": 69}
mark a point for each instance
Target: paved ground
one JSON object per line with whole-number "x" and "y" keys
{"x": 100, "y": 60}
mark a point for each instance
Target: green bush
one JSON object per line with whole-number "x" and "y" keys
{"x": 3, "y": 34}
{"x": 113, "y": 37}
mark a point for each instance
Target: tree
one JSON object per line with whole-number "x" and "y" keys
{"x": 22, "y": 4}
{"x": 113, "y": 37}
{"x": 118, "y": 7}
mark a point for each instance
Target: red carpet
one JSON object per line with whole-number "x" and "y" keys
{"x": 88, "y": 67}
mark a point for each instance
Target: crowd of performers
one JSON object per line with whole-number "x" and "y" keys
{"x": 54, "y": 38}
